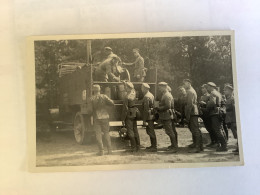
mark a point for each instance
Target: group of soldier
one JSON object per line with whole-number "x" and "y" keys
{"x": 217, "y": 112}
{"x": 111, "y": 68}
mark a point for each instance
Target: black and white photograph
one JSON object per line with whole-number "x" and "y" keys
{"x": 133, "y": 101}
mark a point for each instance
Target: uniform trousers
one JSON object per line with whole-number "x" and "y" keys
{"x": 174, "y": 131}
{"x": 102, "y": 125}
{"x": 195, "y": 131}
{"x": 167, "y": 125}
{"x": 216, "y": 125}
{"x": 132, "y": 132}
{"x": 150, "y": 131}
{"x": 207, "y": 124}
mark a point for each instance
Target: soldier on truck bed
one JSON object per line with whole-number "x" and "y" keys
{"x": 108, "y": 69}
{"x": 139, "y": 69}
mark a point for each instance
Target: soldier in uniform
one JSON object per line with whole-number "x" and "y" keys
{"x": 174, "y": 117}
{"x": 129, "y": 116}
{"x": 148, "y": 116}
{"x": 165, "y": 117}
{"x": 107, "y": 70}
{"x": 192, "y": 116}
{"x": 179, "y": 105}
{"x": 230, "y": 111}
{"x": 213, "y": 108}
{"x": 139, "y": 69}
{"x": 101, "y": 118}
{"x": 109, "y": 52}
{"x": 223, "y": 107}
{"x": 204, "y": 99}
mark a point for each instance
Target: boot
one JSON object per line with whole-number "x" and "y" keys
{"x": 133, "y": 144}
{"x": 211, "y": 144}
{"x": 195, "y": 150}
{"x": 222, "y": 149}
{"x": 173, "y": 150}
{"x": 174, "y": 143}
{"x": 191, "y": 145}
{"x": 152, "y": 149}
{"x": 100, "y": 153}
{"x": 109, "y": 152}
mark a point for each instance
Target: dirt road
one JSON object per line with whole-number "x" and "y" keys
{"x": 62, "y": 150}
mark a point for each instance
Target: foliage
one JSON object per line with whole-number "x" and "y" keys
{"x": 200, "y": 58}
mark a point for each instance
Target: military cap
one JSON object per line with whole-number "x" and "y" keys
{"x": 130, "y": 85}
{"x": 136, "y": 50}
{"x": 187, "y": 80}
{"x": 146, "y": 85}
{"x": 212, "y": 84}
{"x": 229, "y": 86}
{"x": 203, "y": 86}
{"x": 162, "y": 84}
{"x": 96, "y": 87}
{"x": 108, "y": 48}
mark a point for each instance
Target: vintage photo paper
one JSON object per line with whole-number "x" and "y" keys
{"x": 132, "y": 101}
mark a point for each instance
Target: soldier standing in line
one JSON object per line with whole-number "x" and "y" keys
{"x": 179, "y": 105}
{"x": 101, "y": 118}
{"x": 174, "y": 117}
{"x": 148, "y": 116}
{"x": 192, "y": 116}
{"x": 129, "y": 117}
{"x": 223, "y": 107}
{"x": 230, "y": 111}
{"x": 213, "y": 108}
{"x": 204, "y": 99}
{"x": 165, "y": 117}
{"x": 139, "y": 69}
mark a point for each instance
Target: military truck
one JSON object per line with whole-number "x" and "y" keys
{"x": 75, "y": 90}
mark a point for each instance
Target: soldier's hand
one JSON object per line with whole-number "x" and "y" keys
{"x": 145, "y": 124}
{"x": 117, "y": 79}
{"x": 123, "y": 123}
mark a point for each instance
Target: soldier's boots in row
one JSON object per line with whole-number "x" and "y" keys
{"x": 151, "y": 149}
{"x": 197, "y": 145}
{"x": 173, "y": 148}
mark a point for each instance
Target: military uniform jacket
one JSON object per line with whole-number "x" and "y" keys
{"x": 105, "y": 69}
{"x": 100, "y": 105}
{"x": 205, "y": 98}
{"x": 230, "y": 110}
{"x": 214, "y": 103}
{"x": 138, "y": 66}
{"x": 165, "y": 106}
{"x": 148, "y": 102}
{"x": 191, "y": 108}
{"x": 129, "y": 106}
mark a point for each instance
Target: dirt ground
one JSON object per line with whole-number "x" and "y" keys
{"x": 62, "y": 150}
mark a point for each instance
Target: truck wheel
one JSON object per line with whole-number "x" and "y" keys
{"x": 79, "y": 128}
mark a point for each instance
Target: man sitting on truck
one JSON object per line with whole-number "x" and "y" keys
{"x": 101, "y": 118}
